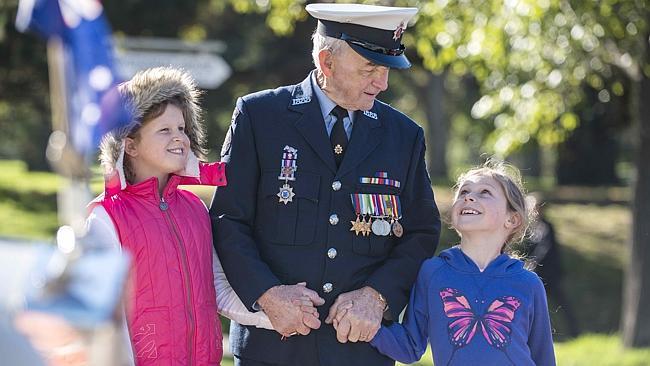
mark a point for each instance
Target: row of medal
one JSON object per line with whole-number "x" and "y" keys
{"x": 377, "y": 213}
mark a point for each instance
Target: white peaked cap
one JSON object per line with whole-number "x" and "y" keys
{"x": 374, "y": 32}
{"x": 380, "y": 17}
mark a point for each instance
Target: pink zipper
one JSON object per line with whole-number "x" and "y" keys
{"x": 186, "y": 277}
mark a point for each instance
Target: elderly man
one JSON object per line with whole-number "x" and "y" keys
{"x": 328, "y": 212}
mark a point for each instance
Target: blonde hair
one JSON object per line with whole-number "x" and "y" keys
{"x": 509, "y": 177}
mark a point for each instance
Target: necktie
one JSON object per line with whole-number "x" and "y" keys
{"x": 338, "y": 137}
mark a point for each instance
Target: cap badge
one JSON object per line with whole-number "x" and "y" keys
{"x": 398, "y": 32}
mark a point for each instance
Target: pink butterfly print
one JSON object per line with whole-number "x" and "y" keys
{"x": 494, "y": 324}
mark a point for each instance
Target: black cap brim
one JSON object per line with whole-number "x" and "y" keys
{"x": 394, "y": 62}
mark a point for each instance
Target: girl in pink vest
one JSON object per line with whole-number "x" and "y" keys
{"x": 171, "y": 305}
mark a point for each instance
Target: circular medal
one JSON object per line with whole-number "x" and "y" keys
{"x": 398, "y": 230}
{"x": 386, "y": 227}
{"x": 377, "y": 227}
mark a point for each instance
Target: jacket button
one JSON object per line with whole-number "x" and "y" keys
{"x": 334, "y": 219}
{"x": 331, "y": 253}
{"x": 328, "y": 287}
{"x": 336, "y": 185}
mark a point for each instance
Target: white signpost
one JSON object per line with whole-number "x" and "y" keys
{"x": 199, "y": 59}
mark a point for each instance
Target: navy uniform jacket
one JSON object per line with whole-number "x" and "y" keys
{"x": 262, "y": 242}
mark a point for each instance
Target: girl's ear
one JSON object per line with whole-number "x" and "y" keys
{"x": 513, "y": 221}
{"x": 130, "y": 147}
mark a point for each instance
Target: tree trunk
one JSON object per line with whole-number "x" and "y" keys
{"x": 636, "y": 289}
{"x": 437, "y": 129}
{"x": 578, "y": 162}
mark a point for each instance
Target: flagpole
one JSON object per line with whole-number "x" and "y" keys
{"x": 74, "y": 193}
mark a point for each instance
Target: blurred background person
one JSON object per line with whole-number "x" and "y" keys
{"x": 543, "y": 255}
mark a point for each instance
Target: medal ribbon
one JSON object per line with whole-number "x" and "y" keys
{"x": 356, "y": 203}
{"x": 289, "y": 164}
{"x": 388, "y": 203}
{"x": 397, "y": 207}
{"x": 382, "y": 181}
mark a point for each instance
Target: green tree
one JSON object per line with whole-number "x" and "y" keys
{"x": 24, "y": 98}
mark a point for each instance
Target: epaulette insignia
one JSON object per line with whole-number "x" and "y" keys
{"x": 370, "y": 114}
{"x": 301, "y": 100}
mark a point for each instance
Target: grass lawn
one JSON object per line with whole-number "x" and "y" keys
{"x": 593, "y": 243}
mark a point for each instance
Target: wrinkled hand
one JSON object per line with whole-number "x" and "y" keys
{"x": 291, "y": 308}
{"x": 356, "y": 315}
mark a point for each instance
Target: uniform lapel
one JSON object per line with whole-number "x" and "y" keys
{"x": 366, "y": 135}
{"x": 310, "y": 124}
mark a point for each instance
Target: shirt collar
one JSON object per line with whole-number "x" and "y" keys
{"x": 326, "y": 104}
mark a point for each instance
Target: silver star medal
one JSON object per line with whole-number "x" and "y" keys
{"x": 286, "y": 193}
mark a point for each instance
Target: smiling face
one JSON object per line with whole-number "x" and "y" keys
{"x": 160, "y": 147}
{"x": 352, "y": 81}
{"x": 481, "y": 206}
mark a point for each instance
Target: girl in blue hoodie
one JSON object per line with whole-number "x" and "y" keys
{"x": 475, "y": 304}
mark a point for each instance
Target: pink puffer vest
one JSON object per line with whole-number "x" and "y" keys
{"x": 172, "y": 311}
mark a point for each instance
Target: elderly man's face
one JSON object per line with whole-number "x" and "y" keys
{"x": 353, "y": 81}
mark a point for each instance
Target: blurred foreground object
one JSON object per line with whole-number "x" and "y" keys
{"x": 64, "y": 299}
{"x": 60, "y": 308}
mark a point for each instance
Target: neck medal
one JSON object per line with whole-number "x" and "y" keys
{"x": 287, "y": 173}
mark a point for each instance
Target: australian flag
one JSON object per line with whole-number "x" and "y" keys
{"x": 93, "y": 104}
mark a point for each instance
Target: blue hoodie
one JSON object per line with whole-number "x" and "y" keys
{"x": 495, "y": 317}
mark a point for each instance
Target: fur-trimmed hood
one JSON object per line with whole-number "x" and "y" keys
{"x": 145, "y": 90}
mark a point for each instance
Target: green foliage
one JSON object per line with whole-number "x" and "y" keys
{"x": 27, "y": 202}
{"x": 601, "y": 350}
{"x": 24, "y": 102}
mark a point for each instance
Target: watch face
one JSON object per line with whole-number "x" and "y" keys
{"x": 383, "y": 300}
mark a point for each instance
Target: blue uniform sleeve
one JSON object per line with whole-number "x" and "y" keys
{"x": 540, "y": 339}
{"x": 407, "y": 342}
{"x": 421, "y": 222}
{"x": 233, "y": 213}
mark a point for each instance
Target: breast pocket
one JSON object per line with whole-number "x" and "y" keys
{"x": 293, "y": 223}
{"x": 374, "y": 245}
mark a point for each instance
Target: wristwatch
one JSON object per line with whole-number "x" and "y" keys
{"x": 383, "y": 301}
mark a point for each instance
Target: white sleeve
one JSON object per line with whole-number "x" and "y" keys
{"x": 103, "y": 234}
{"x": 228, "y": 302}
{"x": 101, "y": 230}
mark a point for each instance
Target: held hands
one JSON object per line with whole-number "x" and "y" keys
{"x": 356, "y": 315}
{"x": 291, "y": 308}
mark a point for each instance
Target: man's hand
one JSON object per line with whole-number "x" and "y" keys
{"x": 291, "y": 308}
{"x": 356, "y": 315}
